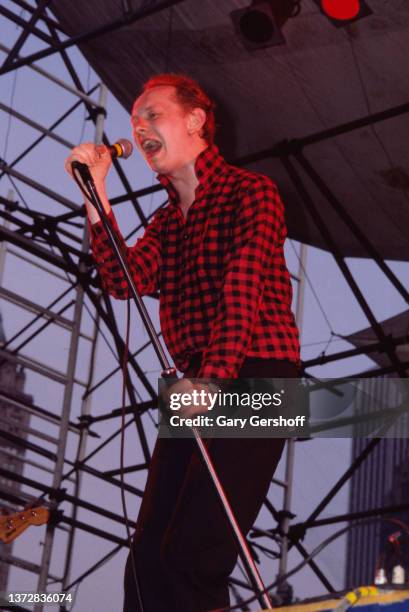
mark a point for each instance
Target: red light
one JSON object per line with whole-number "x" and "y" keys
{"x": 341, "y": 9}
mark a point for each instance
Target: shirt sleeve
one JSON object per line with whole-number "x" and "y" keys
{"x": 259, "y": 230}
{"x": 144, "y": 258}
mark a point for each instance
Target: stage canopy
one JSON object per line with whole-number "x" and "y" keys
{"x": 396, "y": 329}
{"x": 323, "y": 77}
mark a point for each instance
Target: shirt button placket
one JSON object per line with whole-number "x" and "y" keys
{"x": 182, "y": 294}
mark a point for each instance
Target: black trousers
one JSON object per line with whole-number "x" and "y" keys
{"x": 182, "y": 546}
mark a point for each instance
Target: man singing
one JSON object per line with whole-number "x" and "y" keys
{"x": 215, "y": 253}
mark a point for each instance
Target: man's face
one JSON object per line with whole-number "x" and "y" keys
{"x": 161, "y": 129}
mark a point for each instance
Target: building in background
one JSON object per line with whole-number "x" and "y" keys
{"x": 381, "y": 481}
{"x": 14, "y": 421}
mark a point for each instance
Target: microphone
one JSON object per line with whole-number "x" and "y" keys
{"x": 121, "y": 148}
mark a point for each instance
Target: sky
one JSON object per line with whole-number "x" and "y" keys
{"x": 329, "y": 307}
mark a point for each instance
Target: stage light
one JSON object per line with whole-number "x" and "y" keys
{"x": 343, "y": 12}
{"x": 259, "y": 25}
{"x": 341, "y": 9}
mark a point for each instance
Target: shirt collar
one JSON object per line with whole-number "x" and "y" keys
{"x": 208, "y": 165}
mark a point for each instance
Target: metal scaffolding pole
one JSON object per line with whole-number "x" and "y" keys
{"x": 51, "y": 77}
{"x": 86, "y": 402}
{"x": 36, "y": 126}
{"x": 81, "y": 454}
{"x": 76, "y": 40}
{"x": 334, "y": 249}
{"x": 290, "y": 457}
{"x": 72, "y": 361}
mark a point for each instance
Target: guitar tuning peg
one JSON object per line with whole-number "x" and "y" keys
{"x": 12, "y": 526}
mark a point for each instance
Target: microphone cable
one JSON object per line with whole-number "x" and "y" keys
{"x": 89, "y": 197}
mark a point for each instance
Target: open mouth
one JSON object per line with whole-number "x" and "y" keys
{"x": 151, "y": 147}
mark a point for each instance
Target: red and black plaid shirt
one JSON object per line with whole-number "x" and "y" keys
{"x": 224, "y": 286}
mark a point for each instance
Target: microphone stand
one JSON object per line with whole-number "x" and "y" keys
{"x": 169, "y": 372}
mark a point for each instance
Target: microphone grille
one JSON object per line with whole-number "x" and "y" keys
{"x": 126, "y": 146}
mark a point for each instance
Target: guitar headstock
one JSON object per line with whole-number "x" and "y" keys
{"x": 13, "y": 524}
